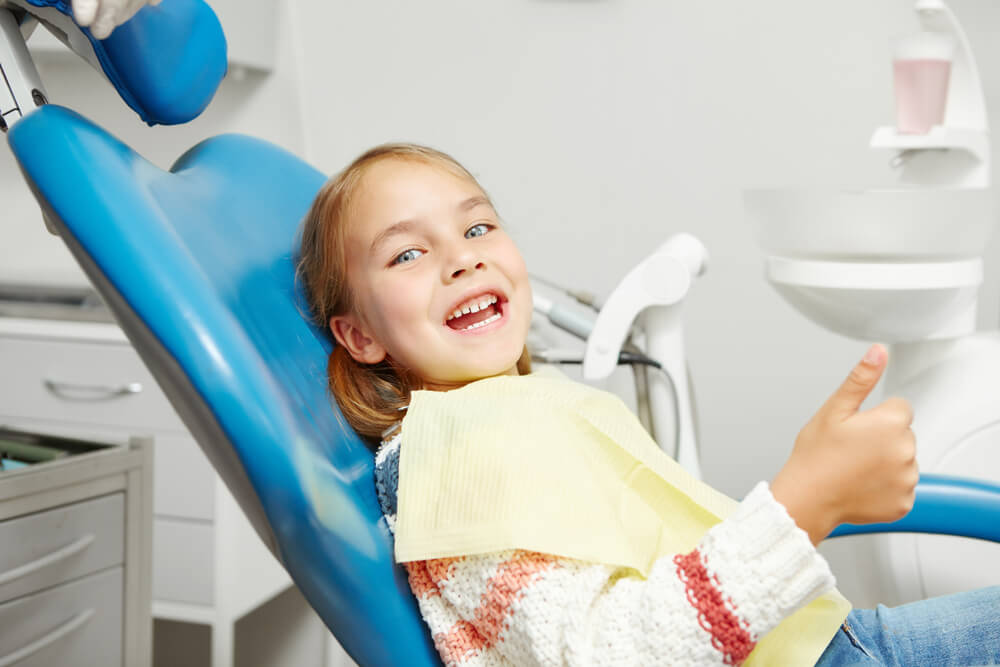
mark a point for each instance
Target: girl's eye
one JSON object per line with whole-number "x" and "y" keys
{"x": 407, "y": 256}
{"x": 478, "y": 230}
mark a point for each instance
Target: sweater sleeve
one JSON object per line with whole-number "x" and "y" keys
{"x": 707, "y": 607}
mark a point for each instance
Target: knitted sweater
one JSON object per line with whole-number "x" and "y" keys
{"x": 706, "y": 607}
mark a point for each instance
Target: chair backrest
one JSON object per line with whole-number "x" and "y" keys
{"x": 197, "y": 265}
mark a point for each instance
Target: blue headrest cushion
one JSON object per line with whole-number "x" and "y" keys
{"x": 166, "y": 62}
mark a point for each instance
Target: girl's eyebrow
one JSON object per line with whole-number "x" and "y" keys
{"x": 473, "y": 202}
{"x": 405, "y": 226}
{"x": 401, "y": 227}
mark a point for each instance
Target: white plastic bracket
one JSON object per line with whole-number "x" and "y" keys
{"x": 662, "y": 279}
{"x": 654, "y": 291}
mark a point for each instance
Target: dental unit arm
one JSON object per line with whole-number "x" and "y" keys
{"x": 644, "y": 312}
{"x": 652, "y": 295}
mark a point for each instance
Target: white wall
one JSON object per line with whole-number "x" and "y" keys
{"x": 601, "y": 127}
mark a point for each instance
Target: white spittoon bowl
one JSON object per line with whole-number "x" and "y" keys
{"x": 891, "y": 225}
{"x": 885, "y": 265}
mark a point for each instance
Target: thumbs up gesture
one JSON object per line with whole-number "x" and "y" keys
{"x": 851, "y": 466}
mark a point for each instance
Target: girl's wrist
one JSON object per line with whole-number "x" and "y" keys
{"x": 805, "y": 506}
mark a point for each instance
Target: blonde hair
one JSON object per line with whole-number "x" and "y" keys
{"x": 370, "y": 396}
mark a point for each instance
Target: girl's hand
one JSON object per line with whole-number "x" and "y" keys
{"x": 850, "y": 466}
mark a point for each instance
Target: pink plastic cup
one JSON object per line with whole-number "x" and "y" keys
{"x": 921, "y": 69}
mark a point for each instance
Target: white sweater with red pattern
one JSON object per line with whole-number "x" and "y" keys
{"x": 706, "y": 607}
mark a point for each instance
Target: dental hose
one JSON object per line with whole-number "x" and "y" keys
{"x": 640, "y": 364}
{"x": 580, "y": 326}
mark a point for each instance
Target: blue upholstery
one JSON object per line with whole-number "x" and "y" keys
{"x": 186, "y": 63}
{"x": 201, "y": 258}
{"x": 947, "y": 506}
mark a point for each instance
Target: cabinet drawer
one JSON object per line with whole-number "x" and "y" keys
{"x": 78, "y": 623}
{"x": 183, "y": 479}
{"x": 94, "y": 383}
{"x": 183, "y": 569}
{"x": 47, "y": 548}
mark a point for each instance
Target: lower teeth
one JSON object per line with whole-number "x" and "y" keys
{"x": 491, "y": 318}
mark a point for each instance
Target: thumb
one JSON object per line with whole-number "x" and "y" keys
{"x": 863, "y": 378}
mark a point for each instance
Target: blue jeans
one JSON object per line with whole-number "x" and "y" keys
{"x": 961, "y": 629}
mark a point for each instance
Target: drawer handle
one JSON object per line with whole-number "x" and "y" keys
{"x": 51, "y": 638}
{"x": 46, "y": 560}
{"x": 91, "y": 392}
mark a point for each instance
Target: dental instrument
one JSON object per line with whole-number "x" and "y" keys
{"x": 650, "y": 298}
{"x": 583, "y": 297}
{"x": 562, "y": 317}
{"x": 640, "y": 322}
{"x": 631, "y": 355}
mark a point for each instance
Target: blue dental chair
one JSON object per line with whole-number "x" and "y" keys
{"x": 198, "y": 266}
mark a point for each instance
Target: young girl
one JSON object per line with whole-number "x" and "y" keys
{"x": 405, "y": 260}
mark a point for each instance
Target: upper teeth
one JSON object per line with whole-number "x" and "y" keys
{"x": 473, "y": 306}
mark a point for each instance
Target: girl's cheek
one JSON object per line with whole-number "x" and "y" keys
{"x": 404, "y": 296}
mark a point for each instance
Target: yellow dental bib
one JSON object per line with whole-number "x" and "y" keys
{"x": 542, "y": 463}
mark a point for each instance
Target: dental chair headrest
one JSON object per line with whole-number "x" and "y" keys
{"x": 166, "y": 62}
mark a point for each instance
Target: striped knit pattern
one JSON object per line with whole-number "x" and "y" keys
{"x": 706, "y": 607}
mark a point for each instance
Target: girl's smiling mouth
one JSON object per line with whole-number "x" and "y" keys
{"x": 476, "y": 313}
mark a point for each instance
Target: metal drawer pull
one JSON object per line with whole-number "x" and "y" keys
{"x": 91, "y": 392}
{"x": 51, "y": 638}
{"x": 46, "y": 560}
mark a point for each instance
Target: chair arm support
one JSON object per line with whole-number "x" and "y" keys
{"x": 947, "y": 506}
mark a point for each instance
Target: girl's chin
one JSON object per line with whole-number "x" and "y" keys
{"x": 461, "y": 376}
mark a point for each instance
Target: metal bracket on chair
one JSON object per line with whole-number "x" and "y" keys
{"x": 21, "y": 90}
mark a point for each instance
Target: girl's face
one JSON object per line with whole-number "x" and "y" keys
{"x": 424, "y": 250}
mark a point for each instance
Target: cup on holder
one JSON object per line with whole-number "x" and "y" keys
{"x": 921, "y": 70}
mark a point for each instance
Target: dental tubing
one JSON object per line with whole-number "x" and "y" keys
{"x": 565, "y": 319}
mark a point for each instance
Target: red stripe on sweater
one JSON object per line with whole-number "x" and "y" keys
{"x": 506, "y": 586}
{"x": 426, "y": 575}
{"x": 729, "y": 636}
{"x": 460, "y": 642}
{"x": 421, "y": 583}
{"x": 441, "y": 568}
{"x": 490, "y": 618}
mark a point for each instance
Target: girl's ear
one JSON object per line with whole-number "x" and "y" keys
{"x": 348, "y": 331}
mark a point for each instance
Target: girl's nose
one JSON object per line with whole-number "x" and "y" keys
{"x": 457, "y": 272}
{"x": 466, "y": 261}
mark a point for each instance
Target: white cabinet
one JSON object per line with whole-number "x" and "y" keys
{"x": 75, "y": 558}
{"x": 84, "y": 379}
